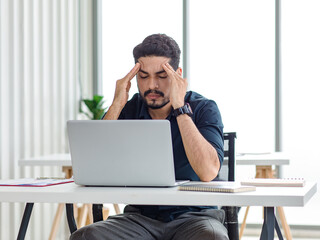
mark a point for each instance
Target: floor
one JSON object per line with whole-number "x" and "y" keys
{"x": 276, "y": 238}
{"x": 257, "y": 237}
{"x": 297, "y": 234}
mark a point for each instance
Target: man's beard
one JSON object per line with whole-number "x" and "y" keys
{"x": 154, "y": 105}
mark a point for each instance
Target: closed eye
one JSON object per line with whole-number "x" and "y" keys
{"x": 163, "y": 77}
{"x": 143, "y": 77}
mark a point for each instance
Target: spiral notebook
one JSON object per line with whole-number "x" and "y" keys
{"x": 225, "y": 187}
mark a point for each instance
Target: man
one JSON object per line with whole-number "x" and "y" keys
{"x": 197, "y": 134}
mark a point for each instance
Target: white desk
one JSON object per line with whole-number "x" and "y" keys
{"x": 263, "y": 163}
{"x": 70, "y": 193}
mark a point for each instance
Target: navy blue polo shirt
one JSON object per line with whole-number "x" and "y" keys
{"x": 207, "y": 118}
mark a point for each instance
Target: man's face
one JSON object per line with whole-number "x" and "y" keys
{"x": 153, "y": 81}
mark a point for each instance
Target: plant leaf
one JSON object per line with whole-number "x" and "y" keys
{"x": 95, "y": 106}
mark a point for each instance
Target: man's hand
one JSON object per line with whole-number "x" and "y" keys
{"x": 123, "y": 86}
{"x": 178, "y": 86}
{"x": 121, "y": 94}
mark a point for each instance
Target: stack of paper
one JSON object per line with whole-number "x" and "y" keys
{"x": 275, "y": 182}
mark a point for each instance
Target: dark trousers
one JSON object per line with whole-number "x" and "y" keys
{"x": 207, "y": 224}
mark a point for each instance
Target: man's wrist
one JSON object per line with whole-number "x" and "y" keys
{"x": 184, "y": 110}
{"x": 178, "y": 105}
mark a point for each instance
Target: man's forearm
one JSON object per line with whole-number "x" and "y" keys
{"x": 201, "y": 154}
{"x": 113, "y": 113}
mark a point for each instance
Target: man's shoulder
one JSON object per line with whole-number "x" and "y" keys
{"x": 203, "y": 109}
{"x": 195, "y": 99}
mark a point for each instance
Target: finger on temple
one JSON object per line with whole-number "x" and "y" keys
{"x": 170, "y": 67}
{"x": 133, "y": 72}
{"x": 169, "y": 71}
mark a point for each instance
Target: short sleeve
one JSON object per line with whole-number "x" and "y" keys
{"x": 208, "y": 120}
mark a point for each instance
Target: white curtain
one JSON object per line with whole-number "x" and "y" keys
{"x": 39, "y": 91}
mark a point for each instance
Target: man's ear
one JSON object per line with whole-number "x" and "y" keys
{"x": 179, "y": 71}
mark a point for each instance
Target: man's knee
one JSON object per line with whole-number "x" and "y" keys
{"x": 219, "y": 234}
{"x": 85, "y": 233}
{"x": 204, "y": 229}
{"x": 210, "y": 233}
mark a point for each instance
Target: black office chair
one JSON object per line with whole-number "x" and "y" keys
{"x": 231, "y": 219}
{"x": 227, "y": 173}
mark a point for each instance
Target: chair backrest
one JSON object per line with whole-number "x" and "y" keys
{"x": 227, "y": 170}
{"x": 229, "y": 153}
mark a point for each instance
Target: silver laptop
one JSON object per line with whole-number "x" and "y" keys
{"x": 122, "y": 153}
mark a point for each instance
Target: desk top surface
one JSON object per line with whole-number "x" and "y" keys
{"x": 64, "y": 159}
{"x": 72, "y": 193}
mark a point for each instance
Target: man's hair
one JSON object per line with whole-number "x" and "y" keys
{"x": 159, "y": 45}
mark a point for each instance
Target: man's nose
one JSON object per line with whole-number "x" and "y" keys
{"x": 153, "y": 83}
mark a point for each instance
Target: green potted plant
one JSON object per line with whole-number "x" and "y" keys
{"x": 95, "y": 106}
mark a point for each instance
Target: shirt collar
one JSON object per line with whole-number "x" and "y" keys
{"x": 144, "y": 113}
